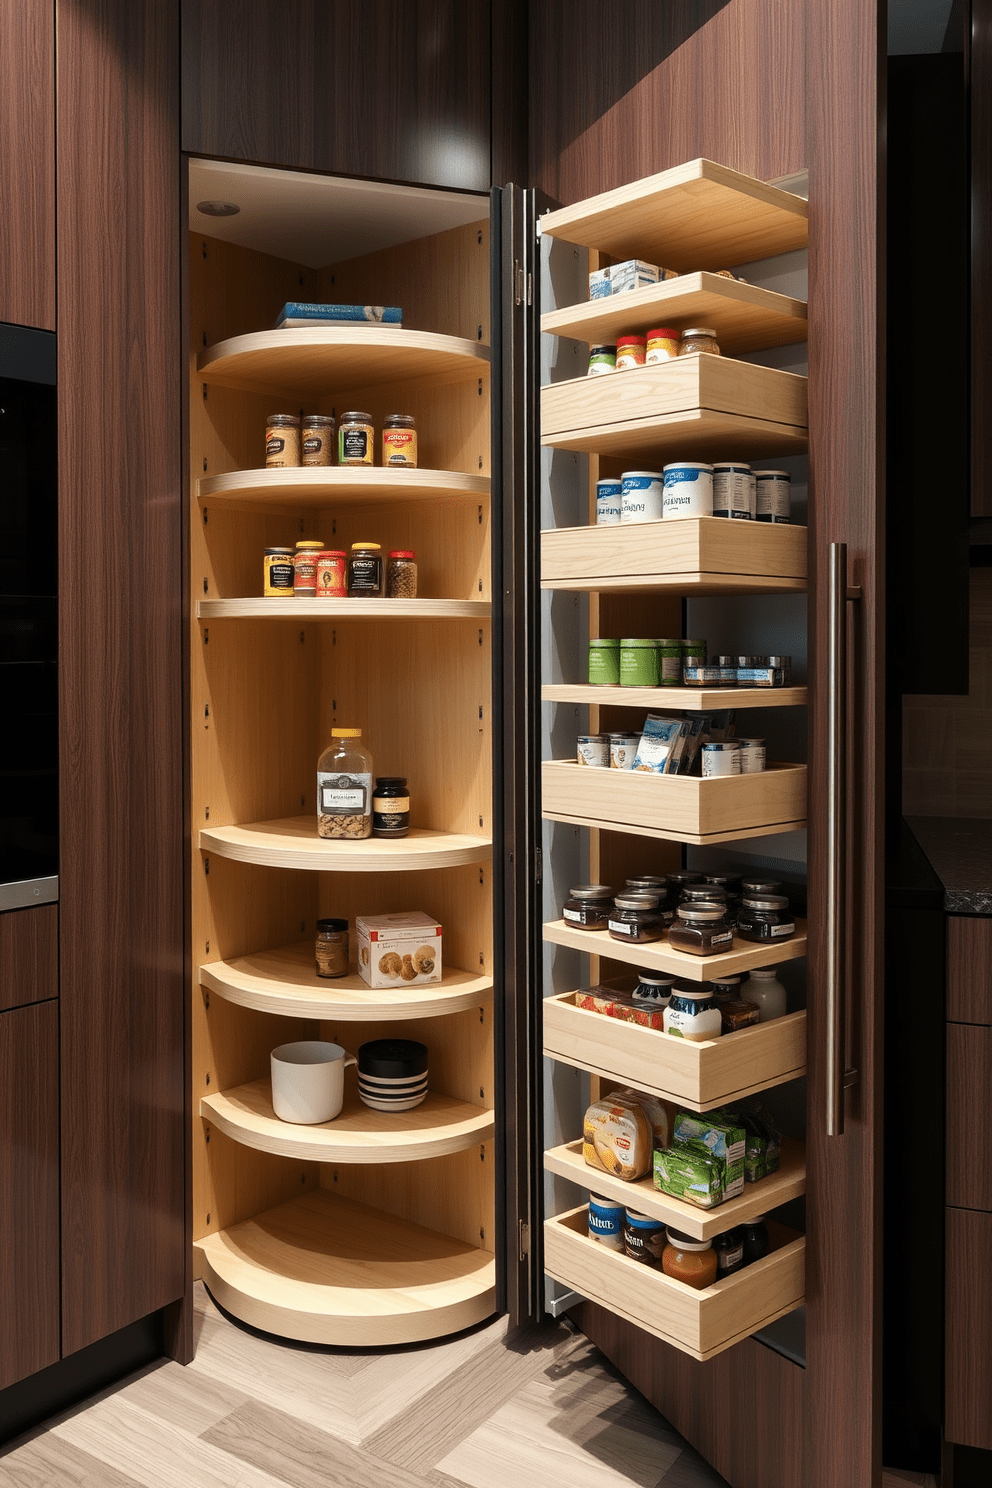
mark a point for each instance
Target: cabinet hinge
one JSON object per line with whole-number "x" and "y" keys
{"x": 530, "y": 289}
{"x": 524, "y": 1239}
{"x": 539, "y": 865}
{"x": 518, "y": 283}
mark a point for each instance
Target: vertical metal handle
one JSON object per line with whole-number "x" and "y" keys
{"x": 836, "y": 804}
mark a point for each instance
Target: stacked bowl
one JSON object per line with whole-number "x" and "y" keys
{"x": 392, "y": 1074}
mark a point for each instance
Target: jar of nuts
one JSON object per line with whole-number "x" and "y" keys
{"x": 401, "y": 574}
{"x": 344, "y": 787}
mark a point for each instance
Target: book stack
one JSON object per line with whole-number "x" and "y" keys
{"x": 303, "y": 313}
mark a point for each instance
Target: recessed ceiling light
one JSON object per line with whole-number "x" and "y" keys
{"x": 218, "y": 209}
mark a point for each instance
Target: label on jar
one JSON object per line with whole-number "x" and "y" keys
{"x": 343, "y": 795}
{"x": 389, "y": 805}
{"x": 274, "y": 445}
{"x": 355, "y": 444}
{"x": 722, "y": 937}
{"x": 777, "y": 931}
{"x": 366, "y": 575}
{"x": 279, "y": 575}
{"x": 726, "y": 1260}
{"x": 306, "y": 571}
{"x": 622, "y": 927}
{"x": 773, "y": 498}
{"x": 732, "y": 491}
{"x": 399, "y": 447}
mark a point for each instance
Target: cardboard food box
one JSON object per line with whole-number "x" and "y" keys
{"x": 689, "y": 1175}
{"x": 397, "y": 950}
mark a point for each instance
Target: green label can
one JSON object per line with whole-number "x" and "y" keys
{"x": 669, "y": 663}
{"x": 638, "y": 663}
{"x": 604, "y": 663}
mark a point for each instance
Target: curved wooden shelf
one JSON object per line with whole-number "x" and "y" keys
{"x": 292, "y": 842}
{"x": 686, "y": 699}
{"x": 324, "y": 1269}
{"x": 439, "y": 1125}
{"x": 758, "y": 1198}
{"x": 307, "y": 486}
{"x": 318, "y": 360}
{"x": 343, "y": 609}
{"x": 285, "y": 983}
{"x": 744, "y": 955}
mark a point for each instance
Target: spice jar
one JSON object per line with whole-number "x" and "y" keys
{"x": 638, "y": 663}
{"x": 332, "y": 948}
{"x": 755, "y": 1242}
{"x": 602, "y": 359}
{"x": 318, "y": 439}
{"x": 356, "y": 439}
{"x": 699, "y": 338}
{"x": 643, "y": 1237}
{"x": 663, "y": 345}
{"x": 636, "y": 918}
{"x": 729, "y": 1253}
{"x": 399, "y": 441}
{"x": 631, "y": 352}
{"x": 305, "y": 568}
{"x": 701, "y": 929}
{"x": 278, "y": 575}
{"x": 690, "y": 1261}
{"x": 755, "y": 885}
{"x": 765, "y": 917}
{"x": 391, "y": 807}
{"x": 682, "y": 876}
{"x": 282, "y": 440}
{"x": 656, "y": 991}
{"x": 365, "y": 571}
{"x": 692, "y": 1014}
{"x": 344, "y": 787}
{"x": 588, "y": 906}
{"x": 604, "y": 663}
{"x": 401, "y": 574}
{"x": 704, "y": 893}
{"x": 650, "y": 883}
{"x": 331, "y": 574}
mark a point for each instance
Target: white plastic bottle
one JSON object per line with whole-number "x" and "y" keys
{"x": 766, "y": 992}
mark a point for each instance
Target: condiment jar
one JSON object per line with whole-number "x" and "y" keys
{"x": 305, "y": 568}
{"x": 318, "y": 439}
{"x": 623, "y": 750}
{"x": 765, "y": 917}
{"x": 704, "y": 893}
{"x": 682, "y": 876}
{"x": 631, "y": 352}
{"x": 331, "y": 948}
{"x": 391, "y": 807}
{"x": 282, "y": 440}
{"x": 588, "y": 906}
{"x": 755, "y": 885}
{"x": 332, "y": 570}
{"x": 356, "y": 439}
{"x": 399, "y": 441}
{"x": 401, "y": 575}
{"x": 726, "y": 989}
{"x": 602, "y": 359}
{"x": 766, "y": 992}
{"x": 754, "y": 1240}
{"x": 691, "y": 1261}
{"x": 729, "y": 1253}
{"x": 636, "y": 918}
{"x": 692, "y": 1014}
{"x": 655, "y": 991}
{"x": 344, "y": 787}
{"x": 649, "y": 883}
{"x": 604, "y": 663}
{"x": 701, "y": 929}
{"x": 278, "y": 574}
{"x": 663, "y": 345}
{"x": 643, "y": 1237}
{"x": 365, "y": 571}
{"x": 699, "y": 338}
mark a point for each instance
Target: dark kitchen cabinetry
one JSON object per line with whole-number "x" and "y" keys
{"x": 27, "y": 162}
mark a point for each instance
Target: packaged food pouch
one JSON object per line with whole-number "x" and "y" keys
{"x": 721, "y": 1137}
{"x": 660, "y": 746}
{"x": 766, "y": 1126}
{"x": 617, "y": 1138}
{"x": 687, "y": 1175}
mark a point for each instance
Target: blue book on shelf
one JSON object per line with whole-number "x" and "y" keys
{"x": 300, "y": 312}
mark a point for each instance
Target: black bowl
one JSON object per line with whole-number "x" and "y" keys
{"x": 392, "y": 1059}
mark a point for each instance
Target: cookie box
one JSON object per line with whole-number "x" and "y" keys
{"x": 397, "y": 950}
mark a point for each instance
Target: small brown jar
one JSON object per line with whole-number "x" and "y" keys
{"x": 588, "y": 907}
{"x": 305, "y": 568}
{"x": 399, "y": 441}
{"x": 765, "y": 917}
{"x": 318, "y": 439}
{"x": 683, "y": 876}
{"x": 704, "y": 893}
{"x": 699, "y": 338}
{"x": 401, "y": 574}
{"x": 282, "y": 440}
{"x": 332, "y": 948}
{"x": 365, "y": 571}
{"x": 636, "y": 918}
{"x": 356, "y": 439}
{"x": 701, "y": 929}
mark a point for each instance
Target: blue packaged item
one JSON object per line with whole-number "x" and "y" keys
{"x": 661, "y": 745}
{"x": 307, "y": 312}
{"x": 606, "y": 1222}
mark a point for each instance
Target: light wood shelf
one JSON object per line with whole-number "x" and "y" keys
{"x": 690, "y": 554}
{"x": 343, "y": 609}
{"x": 658, "y": 955}
{"x": 680, "y": 808}
{"x": 695, "y": 216}
{"x": 744, "y": 316}
{"x": 439, "y": 1125}
{"x": 685, "y": 699}
{"x": 699, "y": 1323}
{"x": 325, "y": 1269}
{"x": 643, "y": 1197}
{"x": 284, "y": 982}
{"x": 292, "y": 842}
{"x": 317, "y": 361}
{"x": 318, "y": 487}
{"x": 694, "y": 434}
{"x": 699, "y": 1075}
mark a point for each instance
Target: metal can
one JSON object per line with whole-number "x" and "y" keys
{"x": 693, "y": 653}
{"x": 607, "y": 503}
{"x": 602, "y": 359}
{"x": 721, "y": 758}
{"x": 604, "y": 663}
{"x": 641, "y": 496}
{"x": 669, "y": 663}
{"x": 332, "y": 568}
{"x": 277, "y": 572}
{"x": 752, "y": 756}
{"x": 305, "y": 568}
{"x": 638, "y": 663}
{"x": 623, "y": 750}
{"x": 593, "y": 749}
{"x": 606, "y": 1222}
{"x": 688, "y": 490}
{"x": 773, "y": 495}
{"x": 732, "y": 482}
{"x": 399, "y": 441}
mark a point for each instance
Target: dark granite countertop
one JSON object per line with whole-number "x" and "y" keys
{"x": 959, "y": 850}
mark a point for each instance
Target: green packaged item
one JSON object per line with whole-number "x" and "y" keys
{"x": 755, "y": 1151}
{"x": 604, "y": 663}
{"x": 638, "y": 663}
{"x": 688, "y": 1175}
{"x": 756, "y": 1115}
{"x": 717, "y": 1135}
{"x": 669, "y": 663}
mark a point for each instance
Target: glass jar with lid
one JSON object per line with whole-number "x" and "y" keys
{"x": 344, "y": 787}
{"x": 755, "y": 1240}
{"x": 399, "y": 441}
{"x": 282, "y": 440}
{"x": 729, "y": 1253}
{"x": 391, "y": 807}
{"x": 305, "y": 568}
{"x": 726, "y": 989}
{"x": 356, "y": 439}
{"x": 704, "y": 893}
{"x": 649, "y": 883}
{"x": 699, "y": 338}
{"x": 318, "y": 439}
{"x": 365, "y": 571}
{"x": 654, "y": 990}
{"x": 690, "y": 1261}
{"x": 754, "y": 884}
{"x": 588, "y": 906}
{"x": 683, "y": 876}
{"x": 765, "y": 917}
{"x": 636, "y": 918}
{"x": 701, "y": 929}
{"x": 331, "y": 948}
{"x": 401, "y": 574}
{"x": 692, "y": 1013}
{"x": 766, "y": 992}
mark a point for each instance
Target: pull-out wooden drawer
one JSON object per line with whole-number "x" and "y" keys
{"x": 700, "y": 1323}
{"x": 969, "y": 1117}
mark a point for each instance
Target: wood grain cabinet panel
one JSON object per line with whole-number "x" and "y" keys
{"x": 29, "y": 1190}
{"x": 27, "y": 162}
{"x": 969, "y": 969}
{"x": 968, "y": 1342}
{"x": 29, "y": 955}
{"x": 969, "y": 1129}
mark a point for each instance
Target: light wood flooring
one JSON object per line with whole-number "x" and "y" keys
{"x": 473, "y": 1412}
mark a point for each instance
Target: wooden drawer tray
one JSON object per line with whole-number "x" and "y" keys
{"x": 700, "y": 1323}
{"x": 684, "y": 808}
{"x": 658, "y": 955}
{"x": 663, "y": 552}
{"x": 697, "y": 1075}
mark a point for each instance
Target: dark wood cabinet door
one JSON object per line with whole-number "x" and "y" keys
{"x": 29, "y": 1190}
{"x": 969, "y": 969}
{"x": 969, "y": 1106}
{"x": 27, "y": 162}
{"x": 968, "y": 1347}
{"x": 29, "y": 955}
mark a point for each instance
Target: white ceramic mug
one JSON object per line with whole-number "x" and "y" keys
{"x": 308, "y": 1081}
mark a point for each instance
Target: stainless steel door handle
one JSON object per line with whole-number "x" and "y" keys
{"x": 838, "y": 1075}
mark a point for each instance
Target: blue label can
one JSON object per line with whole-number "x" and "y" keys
{"x": 606, "y": 1222}
{"x": 607, "y": 502}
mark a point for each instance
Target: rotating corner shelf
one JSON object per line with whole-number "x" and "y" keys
{"x": 318, "y": 487}
{"x": 686, "y": 699}
{"x": 699, "y": 1075}
{"x": 438, "y": 1126}
{"x": 292, "y": 842}
{"x": 285, "y": 982}
{"x": 325, "y": 1269}
{"x": 701, "y": 1323}
{"x": 757, "y": 1199}
{"x": 316, "y": 361}
{"x": 343, "y": 609}
{"x": 658, "y": 955}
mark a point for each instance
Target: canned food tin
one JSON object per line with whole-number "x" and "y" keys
{"x": 331, "y": 574}
{"x": 602, "y": 359}
{"x": 638, "y": 663}
{"x": 721, "y": 758}
{"x": 606, "y": 1222}
{"x": 607, "y": 502}
{"x": 641, "y": 496}
{"x": 702, "y": 676}
{"x": 669, "y": 663}
{"x": 688, "y": 490}
{"x": 593, "y": 749}
{"x": 305, "y": 569}
{"x": 773, "y": 495}
{"x": 604, "y": 663}
{"x": 623, "y": 750}
{"x": 732, "y": 490}
{"x": 752, "y": 756}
